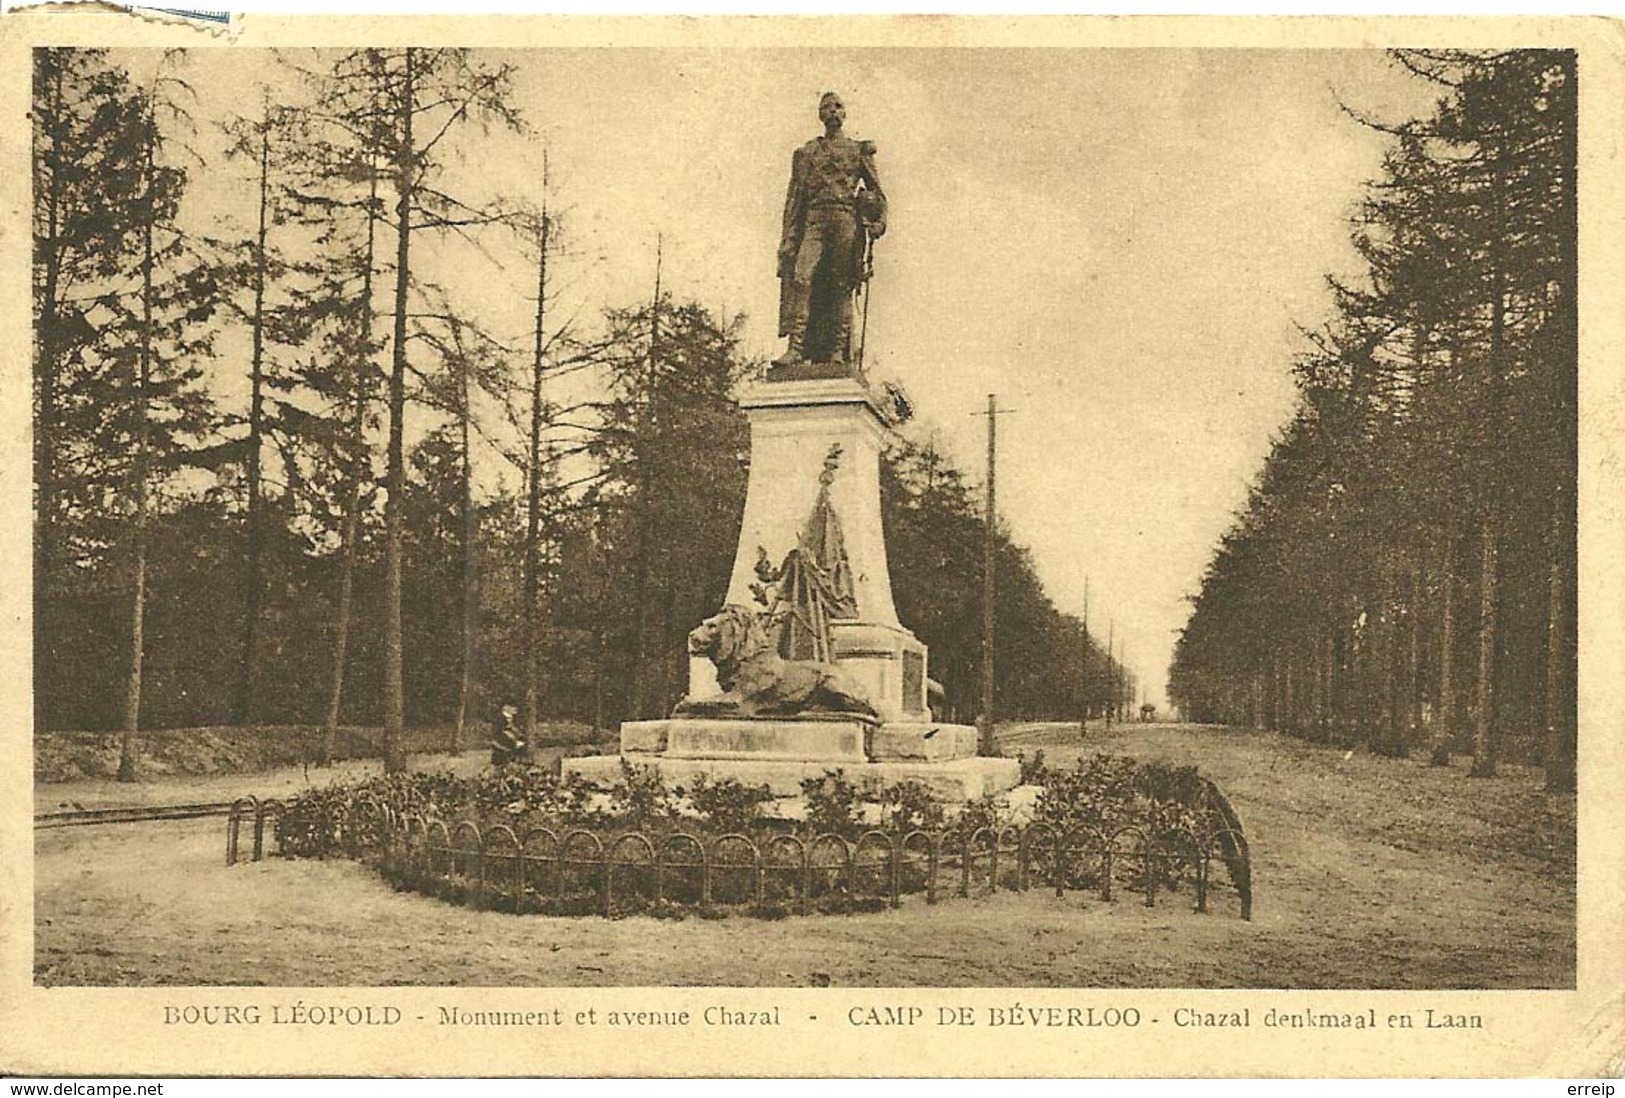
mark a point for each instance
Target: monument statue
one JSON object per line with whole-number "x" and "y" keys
{"x": 758, "y": 682}
{"x": 806, "y": 668}
{"x": 833, "y": 211}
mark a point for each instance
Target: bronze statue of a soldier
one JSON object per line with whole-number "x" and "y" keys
{"x": 833, "y": 209}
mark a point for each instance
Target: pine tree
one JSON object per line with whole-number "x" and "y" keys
{"x": 161, "y": 411}
{"x": 401, "y": 105}
{"x": 89, "y": 176}
{"x": 1436, "y": 408}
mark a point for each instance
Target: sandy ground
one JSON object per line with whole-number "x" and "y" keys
{"x": 1368, "y": 872}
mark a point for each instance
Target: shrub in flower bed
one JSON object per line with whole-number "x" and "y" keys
{"x": 728, "y": 804}
{"x": 763, "y": 873}
{"x": 1173, "y": 809}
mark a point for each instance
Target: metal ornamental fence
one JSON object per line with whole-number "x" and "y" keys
{"x": 621, "y": 870}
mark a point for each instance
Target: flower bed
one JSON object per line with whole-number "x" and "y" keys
{"x": 523, "y": 840}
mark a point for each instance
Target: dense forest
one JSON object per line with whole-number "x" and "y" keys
{"x": 274, "y": 471}
{"x": 1403, "y": 574}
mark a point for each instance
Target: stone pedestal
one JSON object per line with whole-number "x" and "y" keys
{"x": 793, "y": 425}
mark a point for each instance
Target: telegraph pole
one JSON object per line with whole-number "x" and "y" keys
{"x": 1083, "y": 690}
{"x": 1111, "y": 672}
{"x": 1125, "y": 686}
{"x": 1131, "y": 683}
{"x": 984, "y": 742}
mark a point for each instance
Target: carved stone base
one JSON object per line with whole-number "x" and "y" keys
{"x": 800, "y": 369}
{"x": 889, "y": 662}
{"x": 922, "y": 742}
{"x": 834, "y": 741}
{"x": 781, "y": 753}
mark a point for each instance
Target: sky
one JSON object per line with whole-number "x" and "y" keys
{"x": 1120, "y": 244}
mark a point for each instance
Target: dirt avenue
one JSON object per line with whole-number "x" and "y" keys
{"x": 1370, "y": 872}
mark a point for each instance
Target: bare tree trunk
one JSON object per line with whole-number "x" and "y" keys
{"x": 1371, "y": 654}
{"x": 668, "y": 643}
{"x": 132, "y": 695}
{"x": 1275, "y": 693}
{"x": 1387, "y": 741}
{"x": 341, "y": 632}
{"x": 1304, "y": 680}
{"x": 1562, "y": 717}
{"x": 1362, "y": 693}
{"x": 1315, "y": 700}
{"x": 1444, "y": 716}
{"x": 645, "y": 536}
{"x": 1379, "y": 669}
{"x": 1558, "y": 748}
{"x": 394, "y": 687}
{"x": 48, "y": 347}
{"x": 358, "y": 471}
{"x": 1332, "y": 685}
{"x": 1289, "y": 718}
{"x": 138, "y": 609}
{"x": 247, "y": 672}
{"x": 598, "y": 672}
{"x": 533, "y": 476}
{"x": 1328, "y": 669}
{"x": 1485, "y": 737}
{"x": 1413, "y": 662}
{"x": 1312, "y": 705}
{"x": 471, "y": 572}
{"x": 1393, "y": 707}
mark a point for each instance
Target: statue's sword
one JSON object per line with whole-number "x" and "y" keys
{"x": 868, "y": 281}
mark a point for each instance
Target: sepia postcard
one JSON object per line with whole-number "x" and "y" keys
{"x": 811, "y": 546}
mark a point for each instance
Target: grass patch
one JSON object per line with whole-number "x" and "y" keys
{"x": 64, "y": 756}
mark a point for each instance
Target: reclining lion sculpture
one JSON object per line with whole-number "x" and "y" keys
{"x": 758, "y": 682}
